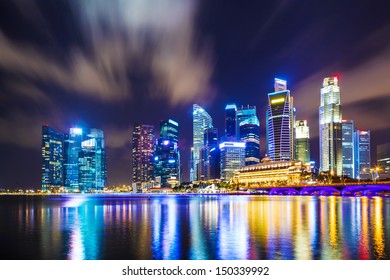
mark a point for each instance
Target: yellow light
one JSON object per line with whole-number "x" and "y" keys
{"x": 277, "y": 100}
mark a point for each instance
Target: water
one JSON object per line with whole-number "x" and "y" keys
{"x": 194, "y": 227}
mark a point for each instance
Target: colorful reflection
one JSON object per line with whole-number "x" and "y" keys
{"x": 195, "y": 227}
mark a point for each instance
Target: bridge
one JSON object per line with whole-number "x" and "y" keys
{"x": 338, "y": 190}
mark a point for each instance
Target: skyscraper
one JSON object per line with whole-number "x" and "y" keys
{"x": 142, "y": 153}
{"x": 169, "y": 129}
{"x": 248, "y": 131}
{"x": 230, "y": 122}
{"x": 232, "y": 158}
{"x": 348, "y": 148}
{"x": 383, "y": 160}
{"x": 362, "y": 154}
{"x": 242, "y": 114}
{"x": 330, "y": 127}
{"x": 92, "y": 162}
{"x": 280, "y": 123}
{"x": 210, "y": 164}
{"x": 201, "y": 121}
{"x": 167, "y": 155}
{"x": 52, "y": 158}
{"x": 302, "y": 141}
{"x": 73, "y": 148}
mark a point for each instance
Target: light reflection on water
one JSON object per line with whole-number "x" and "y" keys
{"x": 194, "y": 227}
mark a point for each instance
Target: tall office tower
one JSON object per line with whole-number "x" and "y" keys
{"x": 169, "y": 129}
{"x": 250, "y": 135}
{"x": 330, "y": 127}
{"x": 230, "y": 122}
{"x": 383, "y": 160}
{"x": 348, "y": 148}
{"x": 362, "y": 154}
{"x": 209, "y": 165}
{"x": 92, "y": 162}
{"x": 242, "y": 114}
{"x": 73, "y": 148}
{"x": 248, "y": 130}
{"x": 280, "y": 123}
{"x": 201, "y": 121}
{"x": 52, "y": 158}
{"x": 142, "y": 153}
{"x": 191, "y": 167}
{"x": 302, "y": 141}
{"x": 167, "y": 155}
{"x": 232, "y": 158}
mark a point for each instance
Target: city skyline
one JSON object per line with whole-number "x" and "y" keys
{"x": 66, "y": 74}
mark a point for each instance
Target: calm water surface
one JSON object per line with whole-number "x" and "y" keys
{"x": 194, "y": 227}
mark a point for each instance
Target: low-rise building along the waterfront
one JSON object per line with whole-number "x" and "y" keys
{"x": 271, "y": 173}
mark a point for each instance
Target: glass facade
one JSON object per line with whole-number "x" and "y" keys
{"x": 142, "y": 153}
{"x": 232, "y": 155}
{"x": 362, "y": 154}
{"x": 280, "y": 124}
{"x": 348, "y": 148}
{"x": 167, "y": 156}
{"x": 302, "y": 141}
{"x": 52, "y": 158}
{"x": 330, "y": 127}
{"x": 208, "y": 164}
{"x": 249, "y": 132}
{"x": 201, "y": 121}
{"x": 230, "y": 121}
{"x": 73, "y": 148}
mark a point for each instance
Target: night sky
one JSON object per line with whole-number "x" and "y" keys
{"x": 108, "y": 64}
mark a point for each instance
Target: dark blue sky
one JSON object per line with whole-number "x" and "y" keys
{"x": 108, "y": 64}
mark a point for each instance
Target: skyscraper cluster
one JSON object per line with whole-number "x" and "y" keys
{"x": 74, "y": 161}
{"x": 343, "y": 150}
{"x": 156, "y": 160}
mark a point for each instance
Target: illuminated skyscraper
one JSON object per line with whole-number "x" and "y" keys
{"x": 348, "y": 148}
{"x": 167, "y": 155}
{"x": 210, "y": 163}
{"x": 383, "y": 160}
{"x": 330, "y": 127}
{"x": 201, "y": 121}
{"x": 169, "y": 129}
{"x": 142, "y": 153}
{"x": 232, "y": 158}
{"x": 280, "y": 123}
{"x": 73, "y": 148}
{"x": 362, "y": 154}
{"x": 230, "y": 122}
{"x": 52, "y": 158}
{"x": 92, "y": 162}
{"x": 302, "y": 141}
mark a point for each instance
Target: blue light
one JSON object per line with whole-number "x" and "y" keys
{"x": 155, "y": 158}
{"x": 171, "y": 161}
{"x": 166, "y": 142}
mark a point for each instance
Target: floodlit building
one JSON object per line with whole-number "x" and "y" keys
{"x": 201, "y": 121}
{"x": 362, "y": 154}
{"x": 348, "y": 148}
{"x": 167, "y": 155}
{"x": 271, "y": 173}
{"x": 330, "y": 122}
{"x": 230, "y": 122}
{"x": 232, "y": 158}
{"x": 92, "y": 162}
{"x": 302, "y": 141}
{"x": 142, "y": 153}
{"x": 72, "y": 145}
{"x": 52, "y": 158}
{"x": 280, "y": 123}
